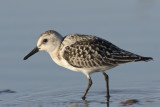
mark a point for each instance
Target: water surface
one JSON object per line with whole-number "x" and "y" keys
{"x": 38, "y": 82}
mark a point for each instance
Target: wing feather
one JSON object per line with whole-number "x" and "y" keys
{"x": 86, "y": 51}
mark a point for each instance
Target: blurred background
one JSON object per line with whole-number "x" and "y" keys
{"x": 132, "y": 25}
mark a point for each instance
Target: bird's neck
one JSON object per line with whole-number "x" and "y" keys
{"x": 54, "y": 53}
{"x": 54, "y": 56}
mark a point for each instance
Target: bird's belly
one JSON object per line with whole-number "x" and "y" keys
{"x": 65, "y": 64}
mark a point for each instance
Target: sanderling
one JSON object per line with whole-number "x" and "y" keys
{"x": 84, "y": 53}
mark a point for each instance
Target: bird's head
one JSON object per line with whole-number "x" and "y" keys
{"x": 48, "y": 41}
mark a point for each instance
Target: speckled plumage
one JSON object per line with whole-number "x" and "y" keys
{"x": 86, "y": 51}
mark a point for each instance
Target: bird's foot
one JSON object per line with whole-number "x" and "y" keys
{"x": 83, "y": 98}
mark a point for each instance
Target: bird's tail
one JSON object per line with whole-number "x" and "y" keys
{"x": 144, "y": 59}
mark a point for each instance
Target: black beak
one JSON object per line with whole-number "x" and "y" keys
{"x": 35, "y": 50}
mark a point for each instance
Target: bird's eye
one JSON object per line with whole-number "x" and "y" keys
{"x": 45, "y": 40}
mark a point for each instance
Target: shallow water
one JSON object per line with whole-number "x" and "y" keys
{"x": 71, "y": 97}
{"x": 38, "y": 82}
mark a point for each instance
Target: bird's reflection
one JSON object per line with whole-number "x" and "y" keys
{"x": 86, "y": 103}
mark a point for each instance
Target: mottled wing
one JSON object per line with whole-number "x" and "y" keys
{"x": 93, "y": 52}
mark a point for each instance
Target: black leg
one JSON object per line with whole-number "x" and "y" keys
{"x": 89, "y": 85}
{"x": 107, "y": 84}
